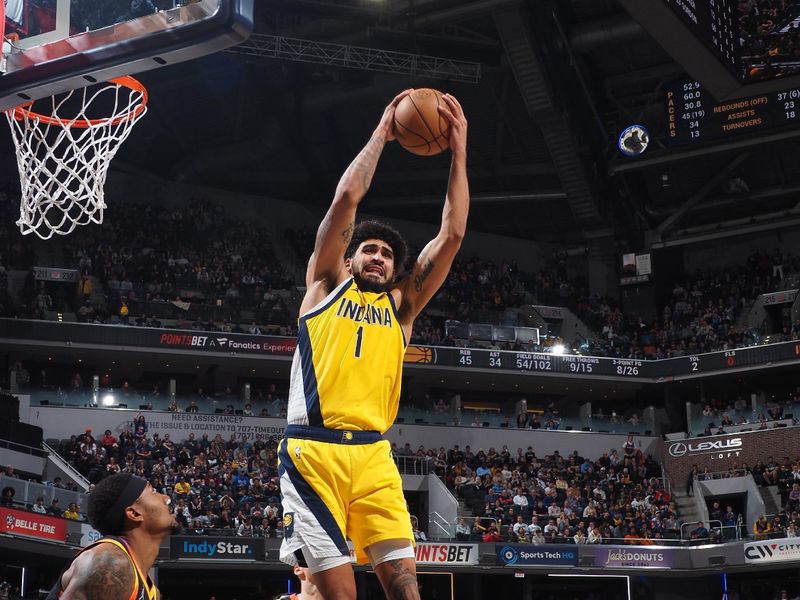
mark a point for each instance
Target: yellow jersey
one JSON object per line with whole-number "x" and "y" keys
{"x": 348, "y": 364}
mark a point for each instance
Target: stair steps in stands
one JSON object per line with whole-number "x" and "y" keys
{"x": 772, "y": 499}
{"x": 687, "y": 509}
{"x": 742, "y": 320}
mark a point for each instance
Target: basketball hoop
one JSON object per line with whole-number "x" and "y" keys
{"x": 63, "y": 161}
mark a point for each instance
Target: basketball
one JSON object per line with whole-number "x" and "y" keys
{"x": 418, "y": 125}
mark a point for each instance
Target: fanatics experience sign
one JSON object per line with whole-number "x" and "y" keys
{"x": 516, "y": 555}
{"x": 31, "y": 524}
{"x": 641, "y": 558}
{"x": 249, "y": 344}
{"x": 217, "y": 548}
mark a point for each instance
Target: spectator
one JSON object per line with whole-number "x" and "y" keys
{"x": 38, "y": 506}
{"x": 595, "y": 536}
{"x": 139, "y": 427}
{"x": 182, "y": 487}
{"x": 7, "y": 498}
{"x": 108, "y": 441}
{"x": 419, "y": 536}
{"x": 762, "y": 528}
{"x": 462, "y": 530}
{"x": 72, "y": 512}
{"x": 478, "y": 530}
{"x": 55, "y": 508}
{"x": 245, "y": 528}
{"x": 700, "y": 532}
{"x": 492, "y": 534}
{"x": 538, "y": 538}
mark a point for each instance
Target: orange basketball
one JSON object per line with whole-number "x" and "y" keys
{"x": 418, "y": 125}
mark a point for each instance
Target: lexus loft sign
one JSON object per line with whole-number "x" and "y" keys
{"x": 717, "y": 448}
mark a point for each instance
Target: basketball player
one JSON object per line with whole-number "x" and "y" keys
{"x": 133, "y": 519}
{"x": 308, "y": 591}
{"x": 338, "y": 478}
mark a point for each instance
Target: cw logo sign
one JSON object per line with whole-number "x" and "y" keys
{"x": 771, "y": 552}
{"x": 759, "y": 551}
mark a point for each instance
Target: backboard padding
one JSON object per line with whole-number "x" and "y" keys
{"x": 131, "y": 46}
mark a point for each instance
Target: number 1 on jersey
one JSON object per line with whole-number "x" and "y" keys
{"x": 359, "y": 340}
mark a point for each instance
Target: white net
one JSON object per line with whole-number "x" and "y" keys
{"x": 63, "y": 161}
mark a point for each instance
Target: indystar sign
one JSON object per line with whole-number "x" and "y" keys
{"x": 214, "y": 549}
{"x": 724, "y": 448}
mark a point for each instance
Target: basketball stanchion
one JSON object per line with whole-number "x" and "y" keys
{"x": 63, "y": 160}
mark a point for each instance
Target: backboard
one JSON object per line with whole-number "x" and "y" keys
{"x": 56, "y": 45}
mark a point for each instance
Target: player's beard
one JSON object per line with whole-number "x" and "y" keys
{"x": 369, "y": 285}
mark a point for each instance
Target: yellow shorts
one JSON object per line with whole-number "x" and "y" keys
{"x": 334, "y": 491}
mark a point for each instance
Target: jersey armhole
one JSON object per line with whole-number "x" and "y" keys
{"x": 329, "y": 300}
{"x": 397, "y": 317}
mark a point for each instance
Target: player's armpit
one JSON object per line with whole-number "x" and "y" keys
{"x": 427, "y": 275}
{"x": 103, "y": 574}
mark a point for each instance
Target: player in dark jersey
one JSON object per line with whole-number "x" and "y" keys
{"x": 133, "y": 518}
{"x": 308, "y": 591}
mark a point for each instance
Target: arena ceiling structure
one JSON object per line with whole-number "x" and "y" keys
{"x": 547, "y": 87}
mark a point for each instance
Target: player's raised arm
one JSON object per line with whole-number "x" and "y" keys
{"x": 334, "y": 233}
{"x": 433, "y": 263}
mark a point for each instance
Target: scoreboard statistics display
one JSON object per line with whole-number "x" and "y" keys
{"x": 712, "y": 22}
{"x": 693, "y": 116}
{"x": 602, "y": 367}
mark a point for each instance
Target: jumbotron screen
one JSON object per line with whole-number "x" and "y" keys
{"x": 756, "y": 41}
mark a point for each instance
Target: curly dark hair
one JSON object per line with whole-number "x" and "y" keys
{"x": 377, "y": 230}
{"x": 102, "y": 498}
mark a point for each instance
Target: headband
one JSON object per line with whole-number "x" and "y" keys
{"x": 113, "y": 520}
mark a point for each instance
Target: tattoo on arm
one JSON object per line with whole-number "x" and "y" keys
{"x": 109, "y": 577}
{"x": 347, "y": 234}
{"x": 420, "y": 277}
{"x": 363, "y": 166}
{"x": 402, "y": 582}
